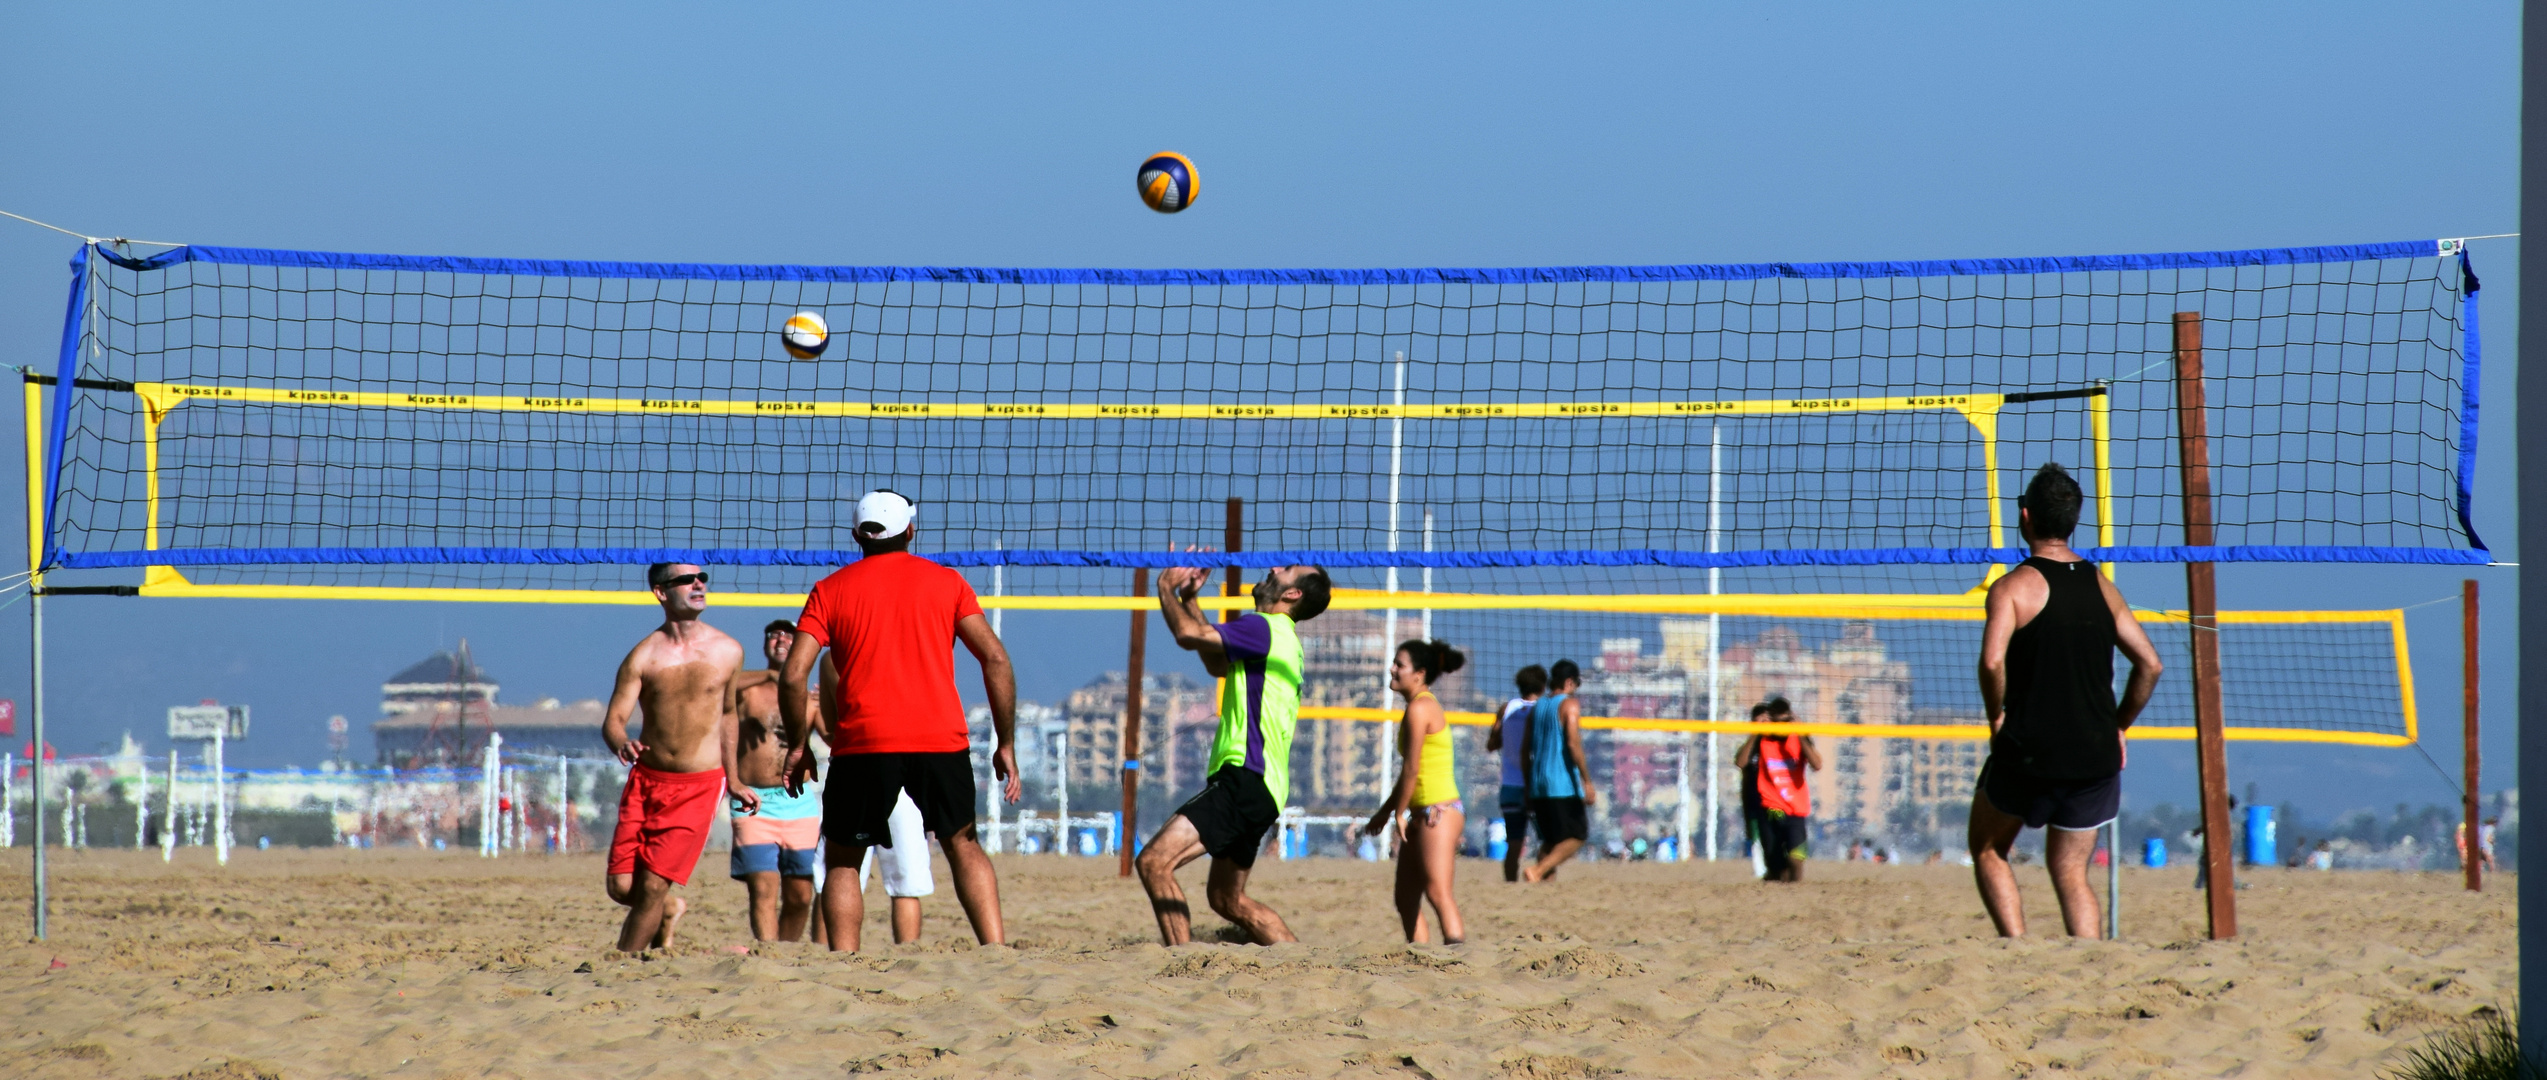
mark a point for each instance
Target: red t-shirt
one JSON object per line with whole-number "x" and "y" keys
{"x": 889, "y": 621}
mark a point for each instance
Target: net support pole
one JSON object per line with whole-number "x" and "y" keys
{"x": 2472, "y": 851}
{"x": 2201, "y": 587}
{"x": 1396, "y": 464}
{"x": 221, "y": 792}
{"x": 1132, "y": 727}
{"x": 1233, "y": 534}
{"x": 1715, "y": 630}
{"x": 168, "y": 822}
{"x": 35, "y": 620}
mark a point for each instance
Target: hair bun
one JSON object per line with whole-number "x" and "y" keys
{"x": 1451, "y": 659}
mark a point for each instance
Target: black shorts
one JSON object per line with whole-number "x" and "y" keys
{"x": 2067, "y": 805}
{"x": 858, "y": 793}
{"x": 1783, "y": 838}
{"x": 1232, "y": 814}
{"x": 1560, "y": 819}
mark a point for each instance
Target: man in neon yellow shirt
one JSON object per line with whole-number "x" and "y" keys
{"x": 1257, "y": 657}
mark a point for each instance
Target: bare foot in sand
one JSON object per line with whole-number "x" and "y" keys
{"x": 673, "y": 909}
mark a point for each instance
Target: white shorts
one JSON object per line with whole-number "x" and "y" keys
{"x": 906, "y": 863}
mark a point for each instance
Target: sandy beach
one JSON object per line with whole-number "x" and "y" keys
{"x": 306, "y": 964}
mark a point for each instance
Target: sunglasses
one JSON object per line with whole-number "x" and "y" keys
{"x": 684, "y": 579}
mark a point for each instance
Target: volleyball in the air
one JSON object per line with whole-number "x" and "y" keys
{"x": 1168, "y": 182}
{"x": 805, "y": 335}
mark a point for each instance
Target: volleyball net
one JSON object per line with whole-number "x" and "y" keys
{"x": 1798, "y": 441}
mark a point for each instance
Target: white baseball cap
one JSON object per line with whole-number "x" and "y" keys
{"x": 883, "y": 514}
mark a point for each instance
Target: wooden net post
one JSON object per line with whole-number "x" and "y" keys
{"x": 2202, "y": 605}
{"x": 1132, "y": 728}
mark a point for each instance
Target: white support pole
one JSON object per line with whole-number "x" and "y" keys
{"x": 220, "y": 793}
{"x": 491, "y": 799}
{"x": 8, "y": 808}
{"x": 990, "y": 790}
{"x": 168, "y": 824}
{"x": 1396, "y": 467}
{"x": 141, "y": 805}
{"x": 1428, "y": 574}
{"x": 1715, "y": 632}
{"x": 565, "y": 811}
{"x": 1061, "y": 795}
{"x": 35, "y": 756}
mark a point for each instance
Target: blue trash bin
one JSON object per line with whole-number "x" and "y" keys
{"x": 2153, "y": 853}
{"x": 2259, "y": 836}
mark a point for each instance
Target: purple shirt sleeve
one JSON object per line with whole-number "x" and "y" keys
{"x": 1250, "y": 638}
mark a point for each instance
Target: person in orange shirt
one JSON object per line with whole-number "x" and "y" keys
{"x": 1786, "y": 800}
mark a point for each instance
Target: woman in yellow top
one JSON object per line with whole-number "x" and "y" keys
{"x": 1427, "y": 790}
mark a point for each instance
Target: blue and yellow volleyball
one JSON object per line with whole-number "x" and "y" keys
{"x": 1168, "y": 182}
{"x": 805, "y": 335}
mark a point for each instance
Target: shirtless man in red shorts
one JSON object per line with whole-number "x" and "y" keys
{"x": 681, "y": 675}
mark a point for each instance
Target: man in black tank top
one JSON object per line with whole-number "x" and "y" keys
{"x": 2056, "y": 732}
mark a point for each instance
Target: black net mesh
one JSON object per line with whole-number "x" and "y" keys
{"x": 2335, "y": 392}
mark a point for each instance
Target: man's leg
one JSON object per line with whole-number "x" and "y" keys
{"x": 1227, "y": 891}
{"x": 795, "y": 907}
{"x": 762, "y": 886}
{"x": 844, "y": 902}
{"x": 906, "y": 919}
{"x": 1175, "y": 845}
{"x": 1989, "y": 836}
{"x": 976, "y": 886}
{"x": 1515, "y": 827}
{"x": 2068, "y": 850}
{"x": 648, "y": 923}
{"x": 621, "y": 887}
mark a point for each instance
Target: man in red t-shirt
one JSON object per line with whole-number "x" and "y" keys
{"x": 891, "y": 621}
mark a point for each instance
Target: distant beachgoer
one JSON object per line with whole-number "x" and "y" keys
{"x": 1747, "y": 768}
{"x": 2057, "y": 745}
{"x": 681, "y": 675}
{"x": 1427, "y": 792}
{"x": 1785, "y": 794}
{"x": 2324, "y": 857}
{"x": 1560, "y": 782}
{"x": 774, "y": 842}
{"x": 891, "y": 621}
{"x": 1505, "y": 737}
{"x": 2485, "y": 843}
{"x": 1258, "y": 658}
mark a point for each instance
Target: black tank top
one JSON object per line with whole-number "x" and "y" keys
{"x": 2060, "y": 698}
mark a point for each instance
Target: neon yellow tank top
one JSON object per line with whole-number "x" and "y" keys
{"x": 1437, "y": 780}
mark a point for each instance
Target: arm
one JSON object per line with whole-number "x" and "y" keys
{"x": 2145, "y": 668}
{"x": 729, "y": 739}
{"x": 1494, "y": 734}
{"x": 792, "y": 710}
{"x": 1572, "y": 713}
{"x": 999, "y": 684}
{"x": 1409, "y": 767}
{"x": 1997, "y": 627}
{"x": 1812, "y": 754}
{"x": 623, "y": 703}
{"x": 1178, "y": 585}
{"x": 1742, "y": 754}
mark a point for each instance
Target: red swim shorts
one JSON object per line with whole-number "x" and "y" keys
{"x": 663, "y": 821}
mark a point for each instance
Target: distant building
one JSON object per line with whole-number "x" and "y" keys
{"x": 439, "y": 711}
{"x": 1177, "y": 724}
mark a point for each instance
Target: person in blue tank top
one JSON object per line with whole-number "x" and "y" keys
{"x": 1505, "y": 738}
{"x": 1560, "y": 794}
{"x": 2057, "y": 747}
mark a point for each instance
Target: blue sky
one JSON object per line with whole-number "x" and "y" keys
{"x": 1328, "y": 135}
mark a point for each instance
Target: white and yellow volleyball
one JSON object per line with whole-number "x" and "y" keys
{"x": 805, "y": 335}
{"x": 1168, "y": 182}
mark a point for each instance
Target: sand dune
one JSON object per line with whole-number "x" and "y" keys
{"x": 409, "y": 964}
